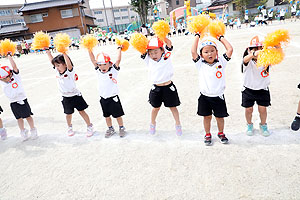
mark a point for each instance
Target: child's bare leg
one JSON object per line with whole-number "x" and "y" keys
{"x": 220, "y": 123}
{"x": 1, "y": 124}
{"x": 85, "y": 116}
{"x": 120, "y": 121}
{"x": 21, "y": 124}
{"x": 206, "y": 123}
{"x": 175, "y": 113}
{"x": 248, "y": 114}
{"x": 154, "y": 113}
{"x": 69, "y": 119}
{"x": 108, "y": 121}
{"x": 262, "y": 114}
{"x": 30, "y": 122}
{"x": 298, "y": 111}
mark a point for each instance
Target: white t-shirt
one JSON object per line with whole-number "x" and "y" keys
{"x": 270, "y": 14}
{"x": 14, "y": 89}
{"x": 246, "y": 17}
{"x": 66, "y": 83}
{"x": 255, "y": 78}
{"x": 160, "y": 71}
{"x": 264, "y": 12}
{"x": 108, "y": 84}
{"x": 294, "y": 8}
{"x": 212, "y": 76}
{"x": 282, "y": 13}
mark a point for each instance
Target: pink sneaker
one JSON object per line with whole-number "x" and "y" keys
{"x": 90, "y": 131}
{"x": 3, "y": 133}
{"x": 178, "y": 130}
{"x": 152, "y": 129}
{"x": 70, "y": 131}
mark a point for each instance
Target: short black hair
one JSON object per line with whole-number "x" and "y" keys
{"x": 203, "y": 47}
{"x": 60, "y": 60}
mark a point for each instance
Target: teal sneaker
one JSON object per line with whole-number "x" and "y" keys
{"x": 249, "y": 129}
{"x": 264, "y": 130}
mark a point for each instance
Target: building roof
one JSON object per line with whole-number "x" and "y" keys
{"x": 48, "y": 4}
{"x": 12, "y": 28}
{"x": 219, "y": 2}
{"x": 90, "y": 16}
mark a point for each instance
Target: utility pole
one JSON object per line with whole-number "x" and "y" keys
{"x": 105, "y": 15}
{"x": 112, "y": 8}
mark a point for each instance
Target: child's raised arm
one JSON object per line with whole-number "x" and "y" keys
{"x": 12, "y": 62}
{"x": 227, "y": 46}
{"x": 251, "y": 54}
{"x": 168, "y": 42}
{"x": 92, "y": 57}
{"x": 195, "y": 47}
{"x": 117, "y": 63}
{"x": 49, "y": 55}
{"x": 68, "y": 62}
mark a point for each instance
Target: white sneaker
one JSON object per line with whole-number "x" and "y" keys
{"x": 70, "y": 131}
{"x": 24, "y": 134}
{"x": 90, "y": 131}
{"x": 34, "y": 134}
{"x": 3, "y": 133}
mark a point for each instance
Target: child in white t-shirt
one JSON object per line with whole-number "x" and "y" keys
{"x": 3, "y": 133}
{"x": 296, "y": 123}
{"x": 109, "y": 91}
{"x": 211, "y": 69}
{"x": 71, "y": 96}
{"x": 13, "y": 89}
{"x": 293, "y": 12}
{"x": 256, "y": 86}
{"x": 163, "y": 89}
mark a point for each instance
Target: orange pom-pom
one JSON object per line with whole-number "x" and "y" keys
{"x": 197, "y": 24}
{"x": 216, "y": 28}
{"x": 41, "y": 40}
{"x": 7, "y": 46}
{"x": 277, "y": 38}
{"x": 89, "y": 42}
{"x": 139, "y": 42}
{"x": 270, "y": 56}
{"x": 161, "y": 29}
{"x": 61, "y": 42}
{"x": 123, "y": 43}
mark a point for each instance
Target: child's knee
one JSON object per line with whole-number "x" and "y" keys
{"x": 249, "y": 110}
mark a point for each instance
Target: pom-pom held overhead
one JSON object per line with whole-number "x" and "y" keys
{"x": 139, "y": 42}
{"x": 89, "y": 42}
{"x": 270, "y": 56}
{"x": 277, "y": 38}
{"x": 7, "y": 46}
{"x": 216, "y": 28}
{"x": 61, "y": 42}
{"x": 161, "y": 29}
{"x": 123, "y": 43}
{"x": 197, "y": 24}
{"x": 41, "y": 40}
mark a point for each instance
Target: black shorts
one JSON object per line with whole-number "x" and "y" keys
{"x": 212, "y": 105}
{"x": 262, "y": 98}
{"x": 167, "y": 94}
{"x": 111, "y": 106}
{"x": 246, "y": 21}
{"x": 69, "y": 103}
{"x": 174, "y": 32}
{"x": 179, "y": 31}
{"x": 282, "y": 18}
{"x": 151, "y": 34}
{"x": 293, "y": 14}
{"x": 21, "y": 110}
{"x": 1, "y": 110}
{"x": 270, "y": 18}
{"x": 183, "y": 30}
{"x": 109, "y": 39}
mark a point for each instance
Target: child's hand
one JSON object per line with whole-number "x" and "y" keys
{"x": 120, "y": 47}
{"x": 9, "y": 53}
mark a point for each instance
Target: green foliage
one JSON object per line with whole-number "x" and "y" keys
{"x": 241, "y": 5}
{"x": 142, "y": 7}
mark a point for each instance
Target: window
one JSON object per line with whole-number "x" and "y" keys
{"x": 177, "y": 2}
{"x": 117, "y": 18}
{"x": 36, "y": 18}
{"x": 45, "y": 14}
{"x": 233, "y": 6}
{"x": 132, "y": 17}
{"x": 5, "y": 12}
{"x": 125, "y": 17}
{"x": 98, "y": 12}
{"x": 116, "y": 10}
{"x": 100, "y": 20}
{"x": 66, "y": 13}
{"x": 19, "y": 20}
{"x": 131, "y": 9}
{"x": 15, "y": 12}
{"x": 124, "y": 10}
{"x": 6, "y": 22}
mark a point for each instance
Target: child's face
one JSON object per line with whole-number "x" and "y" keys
{"x": 155, "y": 54}
{"x": 61, "y": 68}
{"x": 6, "y": 79}
{"x": 104, "y": 67}
{"x": 209, "y": 53}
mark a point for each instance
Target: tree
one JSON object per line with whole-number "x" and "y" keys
{"x": 261, "y": 2}
{"x": 241, "y": 5}
{"x": 142, "y": 7}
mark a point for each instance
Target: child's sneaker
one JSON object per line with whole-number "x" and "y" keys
{"x": 178, "y": 130}
{"x": 264, "y": 130}
{"x": 34, "y": 134}
{"x": 110, "y": 132}
{"x": 296, "y": 124}
{"x": 122, "y": 132}
{"x": 152, "y": 129}
{"x": 24, "y": 134}
{"x": 70, "y": 131}
{"x": 207, "y": 139}
{"x": 3, "y": 133}
{"x": 249, "y": 129}
{"x": 223, "y": 138}
{"x": 90, "y": 131}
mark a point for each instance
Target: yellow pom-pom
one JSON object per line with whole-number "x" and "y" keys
{"x": 197, "y": 24}
{"x": 124, "y": 43}
{"x": 277, "y": 38}
{"x": 89, "y": 42}
{"x": 216, "y": 28}
{"x": 139, "y": 42}
{"x": 7, "y": 46}
{"x": 41, "y": 40}
{"x": 61, "y": 42}
{"x": 270, "y": 56}
{"x": 161, "y": 29}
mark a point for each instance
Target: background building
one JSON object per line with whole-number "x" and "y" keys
{"x": 9, "y": 14}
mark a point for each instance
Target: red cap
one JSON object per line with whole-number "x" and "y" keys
{"x": 155, "y": 43}
{"x": 102, "y": 58}
{"x": 256, "y": 41}
{"x": 4, "y": 71}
